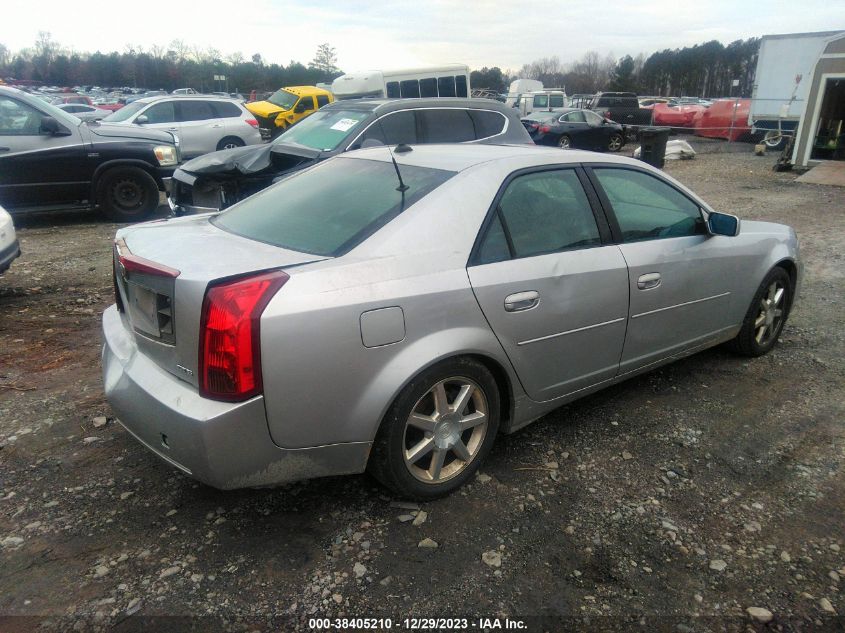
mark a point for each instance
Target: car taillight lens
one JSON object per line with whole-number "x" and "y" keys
{"x": 544, "y": 129}
{"x": 230, "y": 344}
{"x": 253, "y": 122}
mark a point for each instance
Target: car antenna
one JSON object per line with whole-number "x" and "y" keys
{"x": 402, "y": 188}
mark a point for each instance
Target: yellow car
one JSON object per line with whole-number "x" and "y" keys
{"x": 286, "y": 106}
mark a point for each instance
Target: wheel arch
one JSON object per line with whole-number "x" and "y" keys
{"x": 791, "y": 269}
{"x": 482, "y": 352}
{"x": 107, "y": 166}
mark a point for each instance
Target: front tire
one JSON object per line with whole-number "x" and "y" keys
{"x": 127, "y": 194}
{"x": 438, "y": 431}
{"x": 564, "y": 142}
{"x": 615, "y": 143}
{"x": 766, "y": 316}
{"x": 773, "y": 139}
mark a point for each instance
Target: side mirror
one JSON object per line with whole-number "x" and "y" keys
{"x": 50, "y": 126}
{"x": 142, "y": 119}
{"x": 723, "y": 224}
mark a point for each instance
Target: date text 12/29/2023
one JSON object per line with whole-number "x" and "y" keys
{"x": 416, "y": 624}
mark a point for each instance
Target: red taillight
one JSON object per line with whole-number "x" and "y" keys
{"x": 253, "y": 123}
{"x": 544, "y": 129}
{"x": 230, "y": 345}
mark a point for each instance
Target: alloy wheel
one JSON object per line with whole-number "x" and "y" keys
{"x": 768, "y": 322}
{"x": 445, "y": 430}
{"x": 564, "y": 142}
{"x": 615, "y": 143}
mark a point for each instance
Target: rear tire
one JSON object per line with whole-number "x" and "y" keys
{"x": 564, "y": 142}
{"x": 773, "y": 139}
{"x": 766, "y": 316}
{"x": 230, "y": 142}
{"x": 438, "y": 431}
{"x": 127, "y": 194}
{"x": 615, "y": 143}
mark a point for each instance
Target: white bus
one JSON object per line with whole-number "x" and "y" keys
{"x": 450, "y": 80}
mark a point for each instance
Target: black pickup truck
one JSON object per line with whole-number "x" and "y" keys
{"x": 49, "y": 159}
{"x": 622, "y": 107}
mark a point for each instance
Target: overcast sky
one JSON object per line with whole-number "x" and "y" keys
{"x": 372, "y": 34}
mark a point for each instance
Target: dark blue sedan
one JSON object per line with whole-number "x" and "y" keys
{"x": 580, "y": 129}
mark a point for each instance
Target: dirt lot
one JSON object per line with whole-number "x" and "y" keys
{"x": 674, "y": 501}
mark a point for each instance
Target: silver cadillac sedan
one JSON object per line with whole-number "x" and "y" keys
{"x": 395, "y": 312}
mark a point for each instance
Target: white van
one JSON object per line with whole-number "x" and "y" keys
{"x": 450, "y": 80}
{"x": 520, "y": 86}
{"x": 541, "y": 100}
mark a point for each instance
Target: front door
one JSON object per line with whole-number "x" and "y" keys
{"x": 39, "y": 169}
{"x": 554, "y": 292}
{"x": 680, "y": 277}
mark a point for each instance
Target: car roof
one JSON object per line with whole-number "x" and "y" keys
{"x": 460, "y": 156}
{"x": 389, "y": 105}
{"x": 182, "y": 97}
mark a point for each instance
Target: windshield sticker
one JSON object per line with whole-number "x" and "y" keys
{"x": 344, "y": 125}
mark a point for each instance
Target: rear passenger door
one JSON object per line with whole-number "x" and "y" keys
{"x": 550, "y": 283}
{"x": 199, "y": 128}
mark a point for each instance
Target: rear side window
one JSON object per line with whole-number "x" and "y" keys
{"x": 543, "y": 212}
{"x": 446, "y": 126}
{"x": 574, "y": 117}
{"x": 322, "y": 100}
{"x": 460, "y": 86}
{"x": 330, "y": 208}
{"x": 446, "y": 86}
{"x": 393, "y": 90}
{"x": 428, "y": 87}
{"x": 410, "y": 89}
{"x": 195, "y": 111}
{"x": 648, "y": 208}
{"x": 225, "y": 110}
{"x": 487, "y": 123}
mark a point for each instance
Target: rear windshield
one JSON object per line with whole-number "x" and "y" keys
{"x": 325, "y": 129}
{"x": 330, "y": 208}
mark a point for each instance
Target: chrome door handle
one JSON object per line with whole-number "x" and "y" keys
{"x": 648, "y": 281}
{"x": 173, "y": 129}
{"x": 520, "y": 301}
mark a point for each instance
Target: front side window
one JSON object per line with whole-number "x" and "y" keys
{"x": 330, "y": 208}
{"x": 18, "y": 119}
{"x": 392, "y": 129}
{"x": 648, "y": 208}
{"x": 591, "y": 117}
{"x": 160, "y": 113}
{"x": 125, "y": 113}
{"x": 541, "y": 101}
{"x": 392, "y": 89}
{"x": 542, "y": 212}
{"x": 305, "y": 104}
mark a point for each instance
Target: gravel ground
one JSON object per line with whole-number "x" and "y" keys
{"x": 707, "y": 495}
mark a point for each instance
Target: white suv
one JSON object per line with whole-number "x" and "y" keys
{"x": 9, "y": 248}
{"x": 202, "y": 123}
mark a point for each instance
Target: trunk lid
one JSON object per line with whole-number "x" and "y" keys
{"x": 162, "y": 270}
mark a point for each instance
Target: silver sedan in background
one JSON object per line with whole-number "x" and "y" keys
{"x": 84, "y": 112}
{"x": 398, "y": 317}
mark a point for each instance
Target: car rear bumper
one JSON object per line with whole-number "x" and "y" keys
{"x": 8, "y": 255}
{"x": 225, "y": 445}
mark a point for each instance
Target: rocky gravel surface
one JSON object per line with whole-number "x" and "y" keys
{"x": 707, "y": 495}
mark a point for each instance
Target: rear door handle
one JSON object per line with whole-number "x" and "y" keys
{"x": 520, "y": 301}
{"x": 648, "y": 281}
